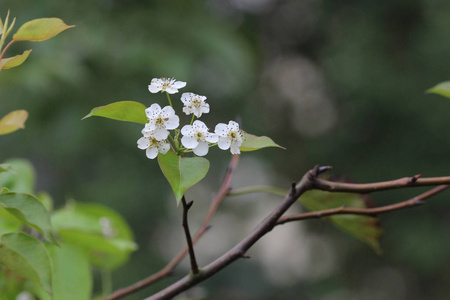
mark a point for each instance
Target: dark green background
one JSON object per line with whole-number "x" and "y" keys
{"x": 337, "y": 83}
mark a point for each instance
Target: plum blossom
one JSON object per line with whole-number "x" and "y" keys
{"x": 169, "y": 85}
{"x": 230, "y": 136}
{"x": 195, "y": 104}
{"x": 197, "y": 138}
{"x": 152, "y": 146}
{"x": 160, "y": 120}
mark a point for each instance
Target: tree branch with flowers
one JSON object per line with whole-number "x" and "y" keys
{"x": 180, "y": 157}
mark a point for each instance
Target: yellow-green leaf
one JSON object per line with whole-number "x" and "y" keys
{"x": 442, "y": 89}
{"x": 13, "y": 121}
{"x": 252, "y": 142}
{"x": 40, "y": 29}
{"x": 128, "y": 111}
{"x": 11, "y": 62}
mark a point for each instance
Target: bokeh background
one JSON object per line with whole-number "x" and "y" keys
{"x": 337, "y": 83}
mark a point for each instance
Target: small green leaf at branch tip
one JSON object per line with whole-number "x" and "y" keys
{"x": 27, "y": 256}
{"x": 13, "y": 121}
{"x": 442, "y": 89}
{"x": 128, "y": 111}
{"x": 40, "y": 29}
{"x": 15, "y": 61}
{"x": 252, "y": 142}
{"x": 182, "y": 172}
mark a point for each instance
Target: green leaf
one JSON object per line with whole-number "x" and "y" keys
{"x": 40, "y": 29}
{"x": 252, "y": 142}
{"x": 100, "y": 231}
{"x": 442, "y": 89}
{"x": 182, "y": 172}
{"x": 28, "y": 257}
{"x": 72, "y": 277}
{"x": 364, "y": 228}
{"x": 20, "y": 178}
{"x": 129, "y": 111}
{"x": 30, "y": 211}
{"x": 13, "y": 121}
{"x": 15, "y": 61}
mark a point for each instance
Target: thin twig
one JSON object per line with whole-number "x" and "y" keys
{"x": 364, "y": 188}
{"x": 186, "y": 206}
{"x": 167, "y": 270}
{"x": 418, "y": 200}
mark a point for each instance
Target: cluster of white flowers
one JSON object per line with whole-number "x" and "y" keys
{"x": 195, "y": 136}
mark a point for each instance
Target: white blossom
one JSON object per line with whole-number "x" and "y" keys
{"x": 159, "y": 121}
{"x": 169, "y": 85}
{"x": 197, "y": 138}
{"x": 195, "y": 104}
{"x": 153, "y": 146}
{"x": 230, "y": 136}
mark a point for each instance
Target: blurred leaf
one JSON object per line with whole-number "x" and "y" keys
{"x": 20, "y": 178}
{"x": 365, "y": 228}
{"x": 98, "y": 230}
{"x": 11, "y": 62}
{"x": 46, "y": 200}
{"x": 182, "y": 172}
{"x": 40, "y": 29}
{"x": 72, "y": 277}
{"x": 30, "y": 211}
{"x": 28, "y": 257}
{"x": 252, "y": 142}
{"x": 5, "y": 168}
{"x": 13, "y": 121}
{"x": 442, "y": 89}
{"x": 8, "y": 223}
{"x": 129, "y": 111}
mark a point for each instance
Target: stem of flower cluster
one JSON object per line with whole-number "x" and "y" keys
{"x": 192, "y": 120}
{"x": 168, "y": 98}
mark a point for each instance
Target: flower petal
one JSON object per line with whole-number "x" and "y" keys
{"x": 201, "y": 149}
{"x": 232, "y": 125}
{"x": 153, "y": 88}
{"x": 173, "y": 122}
{"x": 212, "y": 138}
{"x": 163, "y": 147}
{"x": 143, "y": 143}
{"x": 187, "y": 130}
{"x": 161, "y": 134}
{"x": 189, "y": 142}
{"x": 167, "y": 112}
{"x": 152, "y": 152}
{"x": 179, "y": 84}
{"x": 224, "y": 143}
{"x": 221, "y": 129}
{"x": 235, "y": 149}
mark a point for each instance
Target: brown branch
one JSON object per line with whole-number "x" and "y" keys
{"x": 308, "y": 182}
{"x": 186, "y": 206}
{"x": 239, "y": 251}
{"x": 330, "y": 186}
{"x": 167, "y": 270}
{"x": 418, "y": 200}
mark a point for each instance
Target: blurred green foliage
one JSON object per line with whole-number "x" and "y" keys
{"x": 376, "y": 58}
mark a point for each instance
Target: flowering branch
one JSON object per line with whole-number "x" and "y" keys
{"x": 186, "y": 206}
